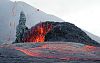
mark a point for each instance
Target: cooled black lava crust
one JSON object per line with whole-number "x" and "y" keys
{"x": 67, "y": 32}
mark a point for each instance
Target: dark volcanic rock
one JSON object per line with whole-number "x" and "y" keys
{"x": 67, "y": 32}
{"x": 58, "y": 31}
{"x": 49, "y": 52}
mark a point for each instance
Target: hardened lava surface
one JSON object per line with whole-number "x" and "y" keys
{"x": 49, "y": 52}
{"x": 58, "y": 31}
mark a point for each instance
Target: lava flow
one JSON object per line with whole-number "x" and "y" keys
{"x": 60, "y": 51}
{"x": 37, "y": 33}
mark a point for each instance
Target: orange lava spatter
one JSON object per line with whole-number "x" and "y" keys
{"x": 37, "y": 33}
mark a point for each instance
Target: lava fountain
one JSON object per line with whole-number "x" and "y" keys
{"x": 37, "y": 33}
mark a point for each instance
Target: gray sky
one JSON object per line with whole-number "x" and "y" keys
{"x": 83, "y": 13}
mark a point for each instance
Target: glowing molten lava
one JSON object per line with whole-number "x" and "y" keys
{"x": 89, "y": 48}
{"x": 37, "y": 33}
{"x": 60, "y": 51}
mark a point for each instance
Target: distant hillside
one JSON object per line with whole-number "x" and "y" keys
{"x": 9, "y": 18}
